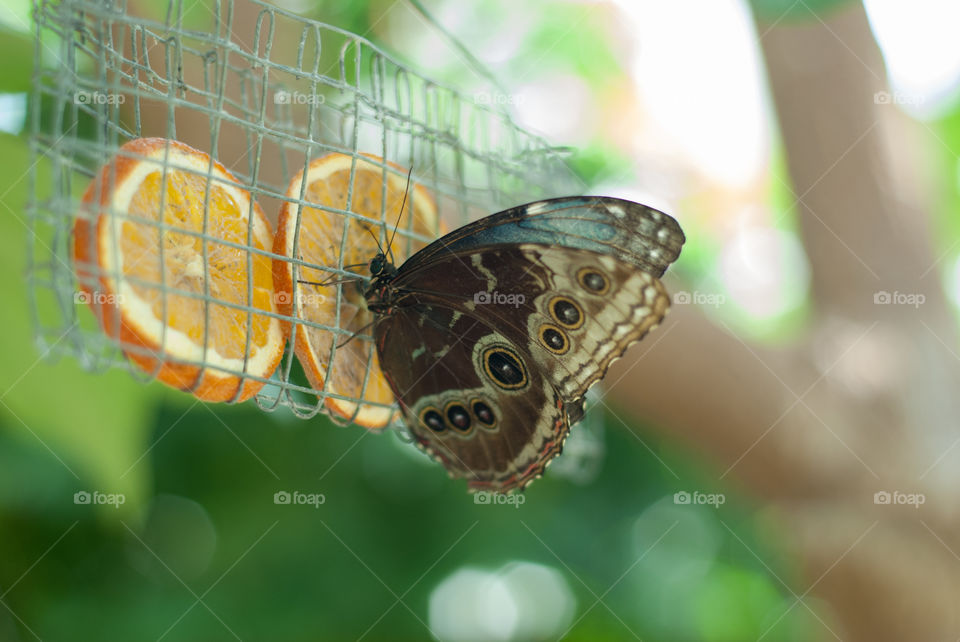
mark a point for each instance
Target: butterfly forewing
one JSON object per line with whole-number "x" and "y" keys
{"x": 573, "y": 311}
{"x": 631, "y": 232}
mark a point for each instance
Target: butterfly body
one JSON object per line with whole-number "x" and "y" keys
{"x": 490, "y": 336}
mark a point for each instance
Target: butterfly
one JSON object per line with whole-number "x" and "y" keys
{"x": 490, "y": 336}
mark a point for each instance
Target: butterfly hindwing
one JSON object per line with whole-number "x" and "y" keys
{"x": 472, "y": 398}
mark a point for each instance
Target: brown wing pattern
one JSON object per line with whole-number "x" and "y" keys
{"x": 573, "y": 311}
{"x": 472, "y": 398}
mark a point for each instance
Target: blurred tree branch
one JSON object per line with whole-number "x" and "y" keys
{"x": 866, "y": 400}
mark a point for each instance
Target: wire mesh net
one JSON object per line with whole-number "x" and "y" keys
{"x": 265, "y": 92}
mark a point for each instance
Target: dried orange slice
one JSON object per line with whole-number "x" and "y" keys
{"x": 318, "y": 240}
{"x": 175, "y": 282}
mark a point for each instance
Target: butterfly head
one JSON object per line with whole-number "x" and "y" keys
{"x": 380, "y": 292}
{"x": 380, "y": 266}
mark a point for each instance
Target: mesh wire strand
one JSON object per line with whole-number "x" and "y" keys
{"x": 263, "y": 91}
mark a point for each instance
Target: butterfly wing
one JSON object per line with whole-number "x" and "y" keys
{"x": 563, "y": 287}
{"x": 572, "y": 311}
{"x": 628, "y": 231}
{"x": 472, "y": 399}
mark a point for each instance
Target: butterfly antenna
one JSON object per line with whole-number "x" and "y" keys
{"x": 406, "y": 191}
{"x": 376, "y": 239}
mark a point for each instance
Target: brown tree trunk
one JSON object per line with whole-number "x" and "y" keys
{"x": 866, "y": 401}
